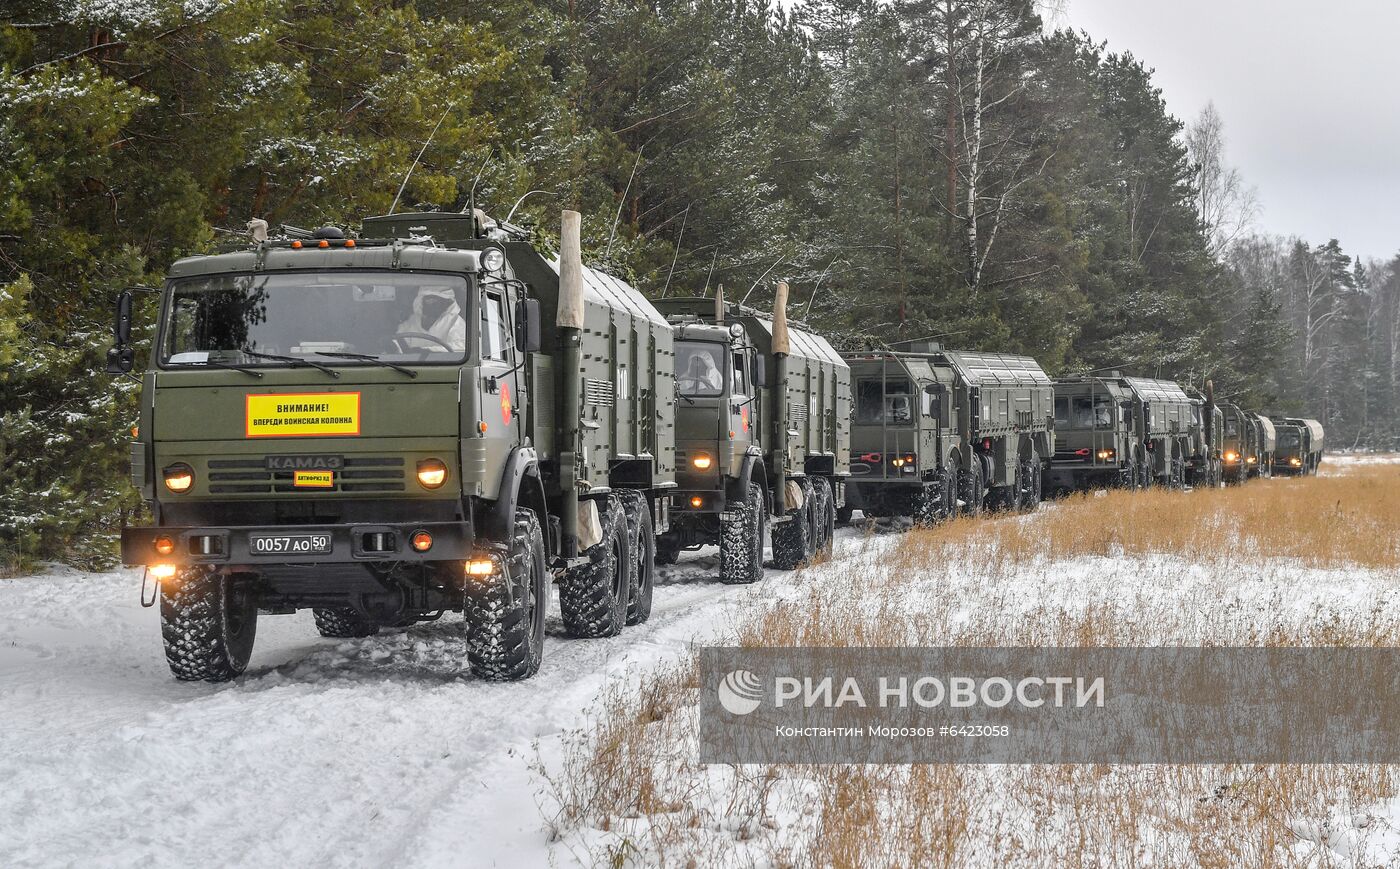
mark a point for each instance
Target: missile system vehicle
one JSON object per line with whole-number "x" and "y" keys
{"x": 387, "y": 428}
{"x": 1299, "y": 448}
{"x": 938, "y": 430}
{"x": 1203, "y": 465}
{"x": 1124, "y": 431}
{"x": 1241, "y": 447}
{"x": 762, "y": 432}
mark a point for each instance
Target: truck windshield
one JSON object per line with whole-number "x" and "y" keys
{"x": 700, "y": 368}
{"x": 1288, "y": 439}
{"x": 884, "y": 401}
{"x": 401, "y": 317}
{"x": 1083, "y": 411}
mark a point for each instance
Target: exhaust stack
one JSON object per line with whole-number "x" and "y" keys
{"x": 719, "y": 305}
{"x": 781, "y": 348}
{"x": 569, "y": 319}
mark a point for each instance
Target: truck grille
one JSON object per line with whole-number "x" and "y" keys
{"x": 251, "y": 476}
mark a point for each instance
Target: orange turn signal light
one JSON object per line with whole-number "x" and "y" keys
{"x": 697, "y": 501}
{"x": 161, "y": 571}
{"x": 324, "y": 243}
{"x": 349, "y": 242}
{"x": 422, "y": 541}
{"x": 296, "y": 245}
{"x": 164, "y": 545}
{"x": 481, "y": 567}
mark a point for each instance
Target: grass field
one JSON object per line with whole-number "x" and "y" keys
{"x": 1287, "y": 562}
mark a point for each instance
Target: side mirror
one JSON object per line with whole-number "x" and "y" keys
{"x": 121, "y": 357}
{"x": 527, "y": 326}
{"x": 760, "y": 371}
{"x": 932, "y": 396}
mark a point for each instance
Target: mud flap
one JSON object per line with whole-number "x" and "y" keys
{"x": 590, "y": 528}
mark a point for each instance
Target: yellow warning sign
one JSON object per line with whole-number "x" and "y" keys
{"x": 313, "y": 479}
{"x": 304, "y": 414}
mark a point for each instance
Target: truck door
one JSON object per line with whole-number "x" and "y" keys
{"x": 743, "y": 412}
{"x": 500, "y": 376}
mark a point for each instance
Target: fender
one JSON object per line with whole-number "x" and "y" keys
{"x": 752, "y": 467}
{"x": 520, "y": 486}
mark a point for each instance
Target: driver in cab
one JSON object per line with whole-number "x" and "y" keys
{"x": 435, "y": 313}
{"x": 702, "y": 375}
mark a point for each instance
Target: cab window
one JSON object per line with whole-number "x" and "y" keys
{"x": 741, "y": 375}
{"x": 699, "y": 368}
{"x": 493, "y": 328}
{"x": 884, "y": 402}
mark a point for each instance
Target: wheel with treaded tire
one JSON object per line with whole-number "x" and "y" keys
{"x": 970, "y": 488}
{"x": 741, "y": 539}
{"x": 504, "y": 616}
{"x": 793, "y": 539}
{"x": 342, "y": 623}
{"x": 643, "y": 546}
{"x": 208, "y": 621}
{"x": 1032, "y": 482}
{"x": 593, "y": 597}
{"x": 825, "y": 516}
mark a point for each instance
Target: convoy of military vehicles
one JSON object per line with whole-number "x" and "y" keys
{"x": 435, "y": 416}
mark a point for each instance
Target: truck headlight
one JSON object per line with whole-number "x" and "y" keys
{"x": 493, "y": 259}
{"x": 702, "y": 461}
{"x": 432, "y": 473}
{"x": 179, "y": 477}
{"x": 1105, "y": 455}
{"x": 1232, "y": 456}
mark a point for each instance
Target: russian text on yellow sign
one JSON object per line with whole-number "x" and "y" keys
{"x": 313, "y": 479}
{"x": 304, "y": 414}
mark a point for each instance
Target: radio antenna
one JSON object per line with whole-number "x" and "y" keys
{"x": 421, "y": 152}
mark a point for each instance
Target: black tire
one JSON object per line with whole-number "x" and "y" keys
{"x": 208, "y": 621}
{"x": 504, "y": 616}
{"x": 741, "y": 540}
{"x": 844, "y": 515}
{"x": 342, "y": 623}
{"x": 793, "y": 539}
{"x": 642, "y": 544}
{"x": 1032, "y": 483}
{"x": 667, "y": 555}
{"x": 593, "y": 598}
{"x": 970, "y": 488}
{"x": 825, "y": 517}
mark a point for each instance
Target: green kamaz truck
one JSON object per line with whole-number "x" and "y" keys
{"x": 936, "y": 431}
{"x": 1241, "y": 447}
{"x": 1112, "y": 430}
{"x": 1299, "y": 447}
{"x": 762, "y": 433}
{"x": 384, "y": 429}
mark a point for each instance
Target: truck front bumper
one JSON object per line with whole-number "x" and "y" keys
{"x": 451, "y": 541}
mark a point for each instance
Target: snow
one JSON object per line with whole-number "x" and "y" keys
{"x": 328, "y": 752}
{"x": 384, "y": 751}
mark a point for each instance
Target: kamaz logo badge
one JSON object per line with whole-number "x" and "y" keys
{"x": 305, "y": 463}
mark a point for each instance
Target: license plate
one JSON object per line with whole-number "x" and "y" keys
{"x": 289, "y": 544}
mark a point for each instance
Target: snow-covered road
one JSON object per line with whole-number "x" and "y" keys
{"x": 372, "y": 752}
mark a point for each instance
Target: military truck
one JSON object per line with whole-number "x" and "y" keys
{"x": 1241, "y": 445}
{"x": 762, "y": 435}
{"x": 1299, "y": 449}
{"x": 384, "y": 429}
{"x": 1203, "y": 464}
{"x": 939, "y": 430}
{"x": 1125, "y": 431}
{"x": 1261, "y": 464}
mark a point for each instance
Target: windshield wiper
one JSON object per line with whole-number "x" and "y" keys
{"x": 215, "y": 364}
{"x": 291, "y": 360}
{"x": 366, "y": 357}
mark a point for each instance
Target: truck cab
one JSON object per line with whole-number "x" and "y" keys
{"x": 1097, "y": 443}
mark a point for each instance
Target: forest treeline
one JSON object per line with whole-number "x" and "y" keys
{"x": 914, "y": 168}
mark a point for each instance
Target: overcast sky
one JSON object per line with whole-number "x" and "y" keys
{"x": 1310, "y": 95}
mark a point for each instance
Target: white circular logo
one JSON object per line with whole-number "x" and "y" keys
{"x": 740, "y": 692}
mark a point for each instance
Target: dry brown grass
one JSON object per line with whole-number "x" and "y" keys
{"x": 1284, "y": 562}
